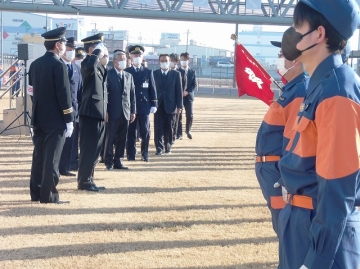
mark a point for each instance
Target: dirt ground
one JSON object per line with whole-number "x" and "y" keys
{"x": 198, "y": 207}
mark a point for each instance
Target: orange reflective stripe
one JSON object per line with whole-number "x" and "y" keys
{"x": 264, "y": 159}
{"x": 338, "y": 127}
{"x": 300, "y": 201}
{"x": 290, "y": 115}
{"x": 277, "y": 202}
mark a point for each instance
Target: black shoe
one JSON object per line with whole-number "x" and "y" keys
{"x": 129, "y": 158}
{"x": 159, "y": 153}
{"x": 121, "y": 166}
{"x": 109, "y": 167}
{"x": 179, "y": 138}
{"x": 88, "y": 186}
{"x": 189, "y": 135}
{"x": 145, "y": 159}
{"x": 168, "y": 151}
{"x": 67, "y": 174}
{"x": 101, "y": 160}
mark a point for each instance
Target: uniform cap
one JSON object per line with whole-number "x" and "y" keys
{"x": 136, "y": 49}
{"x": 276, "y": 43}
{"x": 70, "y": 42}
{"x": 94, "y": 39}
{"x": 57, "y": 34}
{"x": 80, "y": 52}
{"x": 343, "y": 15}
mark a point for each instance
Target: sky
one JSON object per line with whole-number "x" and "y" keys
{"x": 216, "y": 35}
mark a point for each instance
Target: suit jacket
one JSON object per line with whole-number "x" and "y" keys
{"x": 171, "y": 92}
{"x": 121, "y": 97}
{"x": 183, "y": 78}
{"x": 145, "y": 96}
{"x": 94, "y": 93}
{"x": 191, "y": 84}
{"x": 51, "y": 98}
{"x": 75, "y": 88}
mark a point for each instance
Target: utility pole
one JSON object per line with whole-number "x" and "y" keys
{"x": 2, "y": 40}
{"x": 187, "y": 40}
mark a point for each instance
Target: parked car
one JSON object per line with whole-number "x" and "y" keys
{"x": 224, "y": 64}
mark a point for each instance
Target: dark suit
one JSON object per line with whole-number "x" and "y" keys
{"x": 169, "y": 93}
{"x": 178, "y": 118}
{"x": 50, "y": 112}
{"x": 145, "y": 99}
{"x": 188, "y": 100}
{"x": 92, "y": 115}
{"x": 121, "y": 104}
{"x": 75, "y": 87}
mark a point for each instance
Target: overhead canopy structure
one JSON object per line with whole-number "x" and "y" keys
{"x": 270, "y": 12}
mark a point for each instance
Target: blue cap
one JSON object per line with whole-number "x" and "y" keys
{"x": 80, "y": 52}
{"x": 94, "y": 39}
{"x": 70, "y": 42}
{"x": 343, "y": 15}
{"x": 346, "y": 52}
{"x": 136, "y": 49}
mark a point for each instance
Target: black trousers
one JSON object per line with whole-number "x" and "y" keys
{"x": 188, "y": 105}
{"x": 115, "y": 137}
{"x": 65, "y": 158}
{"x": 74, "y": 159}
{"x": 44, "y": 177}
{"x": 143, "y": 122}
{"x": 163, "y": 124}
{"x": 91, "y": 138}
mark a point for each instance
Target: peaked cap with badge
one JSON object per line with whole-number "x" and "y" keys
{"x": 136, "y": 49}
{"x": 70, "y": 42}
{"x": 119, "y": 50}
{"x": 57, "y": 34}
{"x": 94, "y": 39}
{"x": 80, "y": 52}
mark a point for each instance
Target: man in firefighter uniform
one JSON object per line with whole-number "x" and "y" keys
{"x": 275, "y": 130}
{"x": 320, "y": 225}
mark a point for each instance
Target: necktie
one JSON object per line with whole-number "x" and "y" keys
{"x": 137, "y": 70}
{"x": 120, "y": 77}
{"x": 69, "y": 69}
{"x": 164, "y": 74}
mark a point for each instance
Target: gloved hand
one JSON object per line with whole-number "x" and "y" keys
{"x": 284, "y": 194}
{"x": 303, "y": 267}
{"x": 153, "y": 109}
{"x": 102, "y": 48}
{"x": 69, "y": 129}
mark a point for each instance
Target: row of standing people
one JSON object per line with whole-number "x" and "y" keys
{"x": 87, "y": 89}
{"x": 307, "y": 147}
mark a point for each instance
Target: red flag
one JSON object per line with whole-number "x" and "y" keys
{"x": 5, "y": 34}
{"x": 251, "y": 77}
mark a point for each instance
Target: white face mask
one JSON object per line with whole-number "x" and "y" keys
{"x": 78, "y": 62}
{"x": 104, "y": 61}
{"x": 171, "y": 65}
{"x": 183, "y": 63}
{"x": 121, "y": 64}
{"x": 70, "y": 55}
{"x": 280, "y": 63}
{"x": 164, "y": 65}
{"x": 137, "y": 61}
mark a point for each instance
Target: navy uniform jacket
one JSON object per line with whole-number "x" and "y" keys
{"x": 51, "y": 100}
{"x": 117, "y": 92}
{"x": 183, "y": 78}
{"x": 145, "y": 97}
{"x": 94, "y": 94}
{"x": 75, "y": 88}
{"x": 171, "y": 93}
{"x": 191, "y": 84}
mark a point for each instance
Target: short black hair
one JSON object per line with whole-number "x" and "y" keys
{"x": 174, "y": 56}
{"x": 50, "y": 45}
{"x": 88, "y": 46}
{"x": 164, "y": 54}
{"x": 303, "y": 13}
{"x": 186, "y": 55}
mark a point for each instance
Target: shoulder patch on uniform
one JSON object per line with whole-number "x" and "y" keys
{"x": 282, "y": 99}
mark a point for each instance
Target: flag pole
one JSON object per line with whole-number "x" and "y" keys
{"x": 234, "y": 37}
